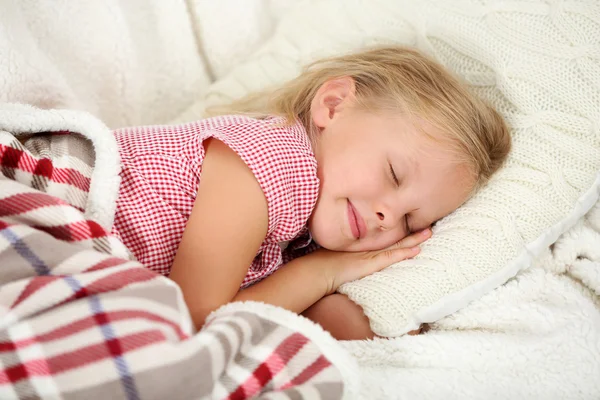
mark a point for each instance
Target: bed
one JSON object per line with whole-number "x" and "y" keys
{"x": 536, "y": 336}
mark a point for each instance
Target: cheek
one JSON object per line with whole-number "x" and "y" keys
{"x": 392, "y": 237}
{"x": 325, "y": 229}
{"x": 321, "y": 220}
{"x": 385, "y": 240}
{"x": 352, "y": 179}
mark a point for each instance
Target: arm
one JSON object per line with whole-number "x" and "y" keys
{"x": 295, "y": 287}
{"x": 342, "y": 317}
{"x": 228, "y": 223}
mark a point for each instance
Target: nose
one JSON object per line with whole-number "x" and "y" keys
{"x": 389, "y": 210}
{"x": 387, "y": 218}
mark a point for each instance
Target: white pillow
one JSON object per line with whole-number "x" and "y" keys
{"x": 537, "y": 63}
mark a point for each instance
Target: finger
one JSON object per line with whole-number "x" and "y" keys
{"x": 391, "y": 256}
{"x": 412, "y": 240}
{"x": 397, "y": 255}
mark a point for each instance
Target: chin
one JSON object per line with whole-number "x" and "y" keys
{"x": 325, "y": 241}
{"x": 324, "y": 244}
{"x": 330, "y": 245}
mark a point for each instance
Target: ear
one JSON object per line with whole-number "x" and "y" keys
{"x": 331, "y": 98}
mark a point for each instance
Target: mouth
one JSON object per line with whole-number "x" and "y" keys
{"x": 357, "y": 224}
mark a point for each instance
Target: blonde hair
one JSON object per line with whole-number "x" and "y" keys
{"x": 397, "y": 79}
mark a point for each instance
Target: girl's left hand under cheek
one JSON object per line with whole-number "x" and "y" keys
{"x": 414, "y": 239}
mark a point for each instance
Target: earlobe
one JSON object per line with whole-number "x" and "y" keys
{"x": 331, "y": 98}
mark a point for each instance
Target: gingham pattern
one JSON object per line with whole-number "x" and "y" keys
{"x": 79, "y": 321}
{"x": 161, "y": 168}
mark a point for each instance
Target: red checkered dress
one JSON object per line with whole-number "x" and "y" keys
{"x": 161, "y": 169}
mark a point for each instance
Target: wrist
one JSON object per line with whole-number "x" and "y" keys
{"x": 320, "y": 272}
{"x": 325, "y": 272}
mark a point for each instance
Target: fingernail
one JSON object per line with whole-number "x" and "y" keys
{"x": 416, "y": 248}
{"x": 426, "y": 232}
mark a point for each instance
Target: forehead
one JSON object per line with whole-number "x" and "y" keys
{"x": 396, "y": 130}
{"x": 420, "y": 147}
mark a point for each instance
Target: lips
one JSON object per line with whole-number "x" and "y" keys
{"x": 357, "y": 224}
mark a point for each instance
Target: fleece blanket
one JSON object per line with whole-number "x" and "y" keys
{"x": 80, "y": 319}
{"x": 127, "y": 62}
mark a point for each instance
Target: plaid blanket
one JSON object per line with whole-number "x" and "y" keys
{"x": 79, "y": 319}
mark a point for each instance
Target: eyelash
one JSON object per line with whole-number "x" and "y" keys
{"x": 394, "y": 177}
{"x": 397, "y": 182}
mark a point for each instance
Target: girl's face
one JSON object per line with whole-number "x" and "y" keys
{"x": 381, "y": 178}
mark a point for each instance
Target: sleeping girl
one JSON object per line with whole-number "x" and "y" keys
{"x": 293, "y": 192}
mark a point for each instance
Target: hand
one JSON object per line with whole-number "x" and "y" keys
{"x": 342, "y": 267}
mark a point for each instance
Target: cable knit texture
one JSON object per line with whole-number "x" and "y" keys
{"x": 537, "y": 62}
{"x": 536, "y": 337}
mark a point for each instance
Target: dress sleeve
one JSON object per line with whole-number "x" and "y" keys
{"x": 284, "y": 168}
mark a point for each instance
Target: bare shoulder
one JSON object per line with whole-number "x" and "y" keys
{"x": 224, "y": 167}
{"x": 227, "y": 225}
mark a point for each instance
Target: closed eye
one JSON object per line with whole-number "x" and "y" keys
{"x": 394, "y": 177}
